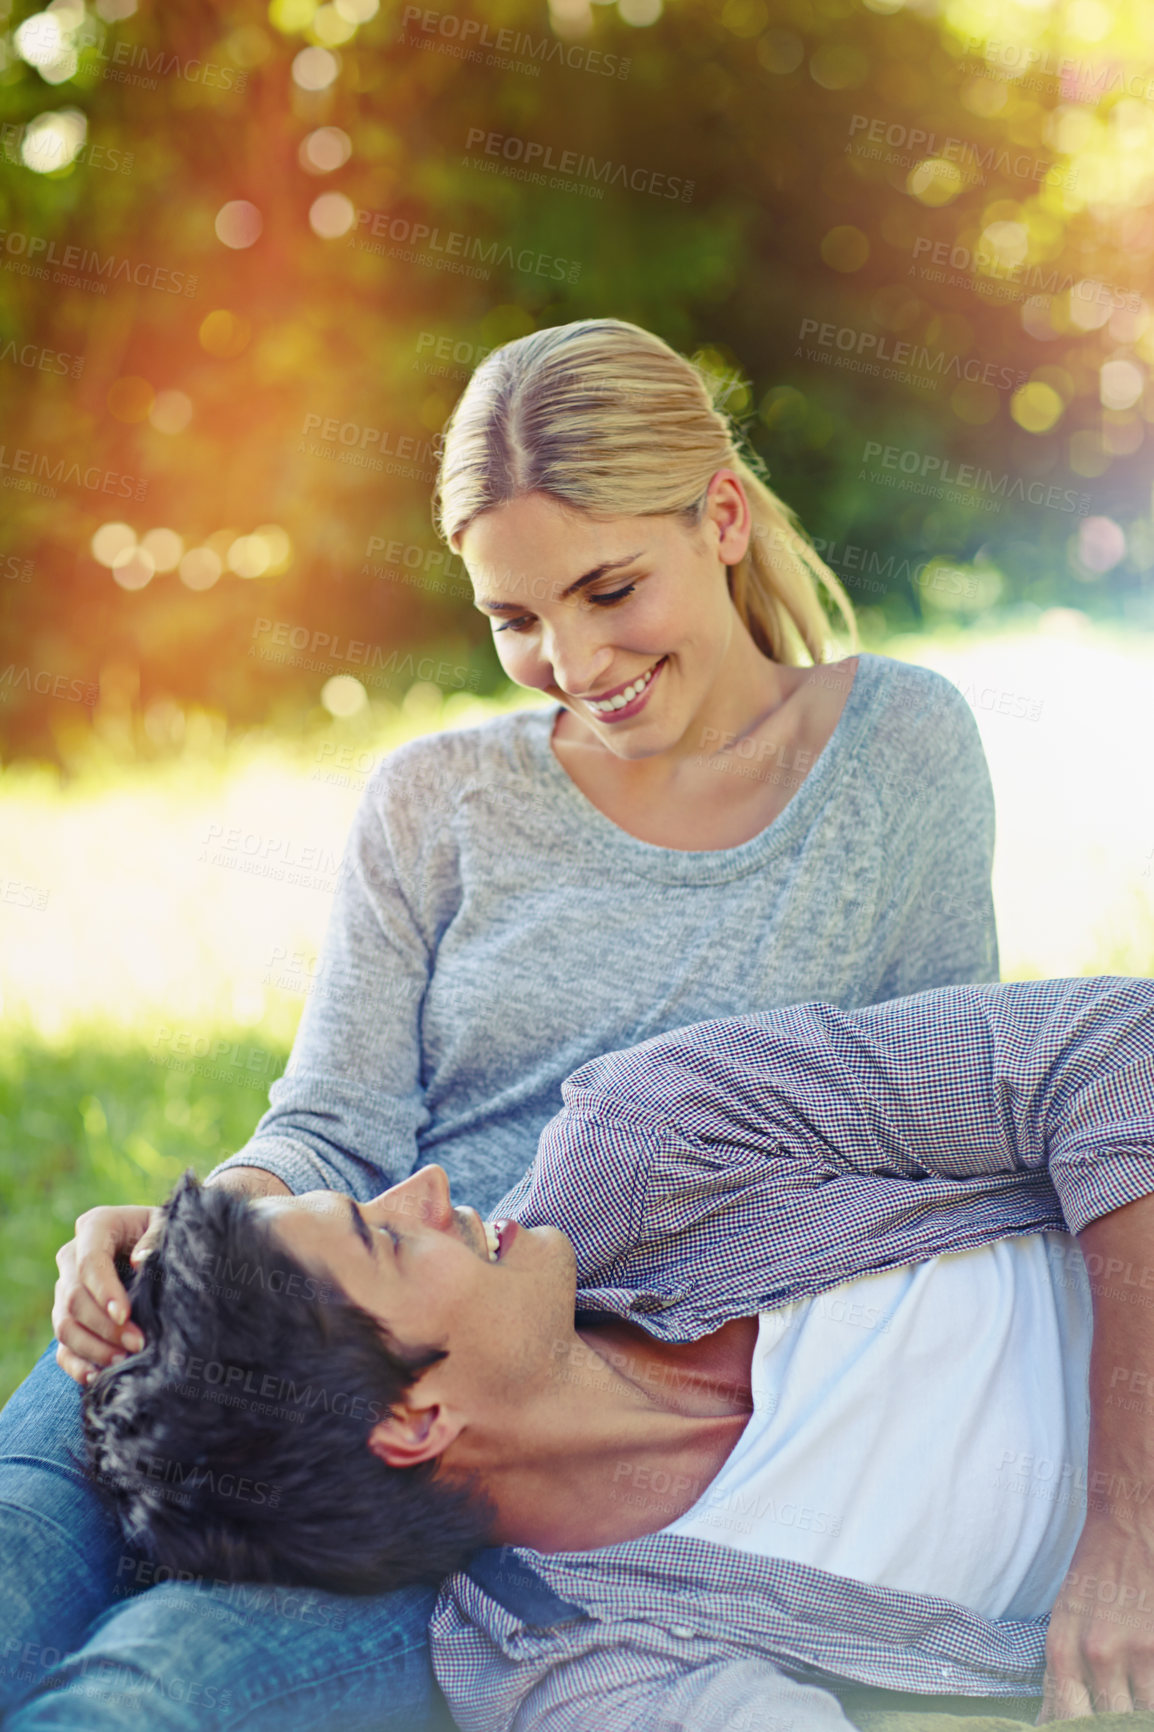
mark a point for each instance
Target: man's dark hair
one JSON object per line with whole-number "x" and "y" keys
{"x": 233, "y": 1445}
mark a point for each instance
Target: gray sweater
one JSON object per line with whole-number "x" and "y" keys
{"x": 492, "y": 930}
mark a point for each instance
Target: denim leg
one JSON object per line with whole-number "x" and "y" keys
{"x": 244, "y": 1658}
{"x": 60, "y": 1548}
{"x": 87, "y": 1643}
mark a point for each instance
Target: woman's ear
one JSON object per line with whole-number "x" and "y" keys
{"x": 409, "y": 1434}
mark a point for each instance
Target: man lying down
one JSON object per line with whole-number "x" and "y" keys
{"x": 772, "y": 1376}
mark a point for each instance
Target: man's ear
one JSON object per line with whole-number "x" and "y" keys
{"x": 410, "y": 1434}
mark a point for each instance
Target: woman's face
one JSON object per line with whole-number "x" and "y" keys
{"x": 627, "y": 621}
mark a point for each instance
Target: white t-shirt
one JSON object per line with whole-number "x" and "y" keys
{"x": 924, "y": 1428}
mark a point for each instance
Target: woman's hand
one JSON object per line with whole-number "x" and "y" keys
{"x": 90, "y": 1312}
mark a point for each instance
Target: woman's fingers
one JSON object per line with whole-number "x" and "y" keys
{"x": 90, "y": 1313}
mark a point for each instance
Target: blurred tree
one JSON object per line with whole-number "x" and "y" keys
{"x": 251, "y": 258}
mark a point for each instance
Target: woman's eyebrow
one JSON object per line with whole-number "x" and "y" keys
{"x": 361, "y": 1229}
{"x": 578, "y": 583}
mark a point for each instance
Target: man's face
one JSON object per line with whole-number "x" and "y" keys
{"x": 424, "y": 1269}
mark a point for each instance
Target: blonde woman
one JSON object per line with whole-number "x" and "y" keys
{"x": 709, "y": 817}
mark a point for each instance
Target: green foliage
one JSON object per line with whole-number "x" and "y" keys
{"x": 823, "y": 155}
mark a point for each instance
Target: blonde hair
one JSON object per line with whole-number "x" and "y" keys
{"x": 606, "y": 418}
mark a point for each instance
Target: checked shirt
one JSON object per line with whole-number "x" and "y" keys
{"x": 735, "y": 1166}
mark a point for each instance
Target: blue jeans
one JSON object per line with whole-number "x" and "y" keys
{"x": 94, "y": 1639}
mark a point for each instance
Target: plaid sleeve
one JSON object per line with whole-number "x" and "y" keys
{"x": 604, "y": 1693}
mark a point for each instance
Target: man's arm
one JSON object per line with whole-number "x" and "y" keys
{"x": 1100, "y": 1649}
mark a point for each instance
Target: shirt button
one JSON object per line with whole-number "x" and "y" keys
{"x": 683, "y": 1631}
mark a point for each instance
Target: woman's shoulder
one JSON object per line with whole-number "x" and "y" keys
{"x": 922, "y": 718}
{"x": 438, "y": 768}
{"x": 899, "y": 680}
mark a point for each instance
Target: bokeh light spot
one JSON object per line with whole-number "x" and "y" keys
{"x": 133, "y": 568}
{"x": 238, "y": 224}
{"x": 248, "y": 556}
{"x": 331, "y": 215}
{"x": 357, "y": 11}
{"x": 200, "y": 567}
{"x": 1087, "y": 454}
{"x": 1089, "y": 19}
{"x": 1101, "y": 543}
{"x": 1090, "y": 304}
{"x": 224, "y": 334}
{"x": 51, "y": 141}
{"x": 290, "y": 15}
{"x": 780, "y": 51}
{"x": 332, "y": 27}
{"x": 130, "y": 398}
{"x": 324, "y": 150}
{"x": 640, "y": 13}
{"x": 278, "y": 548}
{"x": 839, "y": 66}
{"x": 165, "y": 547}
{"x": 1036, "y": 407}
{"x": 935, "y": 181}
{"x": 845, "y": 248}
{"x": 1120, "y": 384}
{"x": 171, "y": 412}
{"x": 343, "y": 695}
{"x": 110, "y": 540}
{"x": 315, "y": 69}
{"x": 44, "y": 41}
{"x": 744, "y": 18}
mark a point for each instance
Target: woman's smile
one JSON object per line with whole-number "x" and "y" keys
{"x": 627, "y": 700}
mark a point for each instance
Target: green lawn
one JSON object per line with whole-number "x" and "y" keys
{"x": 89, "y": 1124}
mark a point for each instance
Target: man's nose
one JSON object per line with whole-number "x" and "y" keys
{"x": 423, "y": 1197}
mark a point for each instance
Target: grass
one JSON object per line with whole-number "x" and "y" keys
{"x": 132, "y": 931}
{"x": 88, "y": 1123}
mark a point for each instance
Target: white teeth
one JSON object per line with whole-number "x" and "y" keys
{"x": 491, "y": 1240}
{"x": 623, "y": 698}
